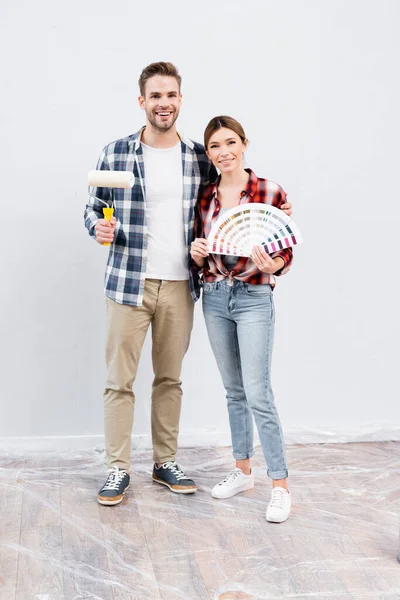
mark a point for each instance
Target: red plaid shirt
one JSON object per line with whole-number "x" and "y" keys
{"x": 207, "y": 211}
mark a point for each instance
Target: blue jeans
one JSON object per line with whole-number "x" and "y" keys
{"x": 240, "y": 325}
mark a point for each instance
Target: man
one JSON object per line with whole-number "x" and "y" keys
{"x": 147, "y": 276}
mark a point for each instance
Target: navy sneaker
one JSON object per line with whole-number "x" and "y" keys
{"x": 171, "y": 475}
{"x": 114, "y": 488}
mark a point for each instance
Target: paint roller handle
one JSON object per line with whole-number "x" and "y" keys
{"x": 105, "y": 228}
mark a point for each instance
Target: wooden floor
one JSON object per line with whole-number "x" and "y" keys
{"x": 341, "y": 541}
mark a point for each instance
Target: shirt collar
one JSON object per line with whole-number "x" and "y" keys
{"x": 138, "y": 138}
{"x": 249, "y": 190}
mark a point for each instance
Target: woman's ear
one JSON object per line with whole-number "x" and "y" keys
{"x": 246, "y": 144}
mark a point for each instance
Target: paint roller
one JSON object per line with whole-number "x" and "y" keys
{"x": 109, "y": 179}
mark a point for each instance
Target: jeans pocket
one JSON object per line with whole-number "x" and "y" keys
{"x": 258, "y": 289}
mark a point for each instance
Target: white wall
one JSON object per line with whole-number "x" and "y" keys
{"x": 316, "y": 87}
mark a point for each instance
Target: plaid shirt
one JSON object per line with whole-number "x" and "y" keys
{"x": 126, "y": 267}
{"x": 207, "y": 211}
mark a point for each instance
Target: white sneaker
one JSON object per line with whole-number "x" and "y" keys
{"x": 236, "y": 482}
{"x": 279, "y": 507}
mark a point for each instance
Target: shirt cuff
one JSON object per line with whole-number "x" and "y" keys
{"x": 287, "y": 260}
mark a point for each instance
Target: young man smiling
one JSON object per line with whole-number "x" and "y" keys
{"x": 147, "y": 280}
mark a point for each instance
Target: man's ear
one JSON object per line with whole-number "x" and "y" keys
{"x": 141, "y": 102}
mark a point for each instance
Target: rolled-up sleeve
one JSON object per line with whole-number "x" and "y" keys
{"x": 287, "y": 257}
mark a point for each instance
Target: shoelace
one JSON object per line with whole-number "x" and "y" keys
{"x": 277, "y": 498}
{"x": 114, "y": 479}
{"x": 231, "y": 477}
{"x": 173, "y": 467}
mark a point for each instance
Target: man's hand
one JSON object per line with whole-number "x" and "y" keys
{"x": 287, "y": 208}
{"x": 105, "y": 230}
{"x": 264, "y": 262}
{"x": 199, "y": 251}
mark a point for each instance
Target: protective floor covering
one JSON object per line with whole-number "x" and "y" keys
{"x": 340, "y": 542}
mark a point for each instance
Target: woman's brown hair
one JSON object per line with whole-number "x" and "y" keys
{"x": 223, "y": 121}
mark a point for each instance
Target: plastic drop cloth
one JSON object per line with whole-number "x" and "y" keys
{"x": 340, "y": 542}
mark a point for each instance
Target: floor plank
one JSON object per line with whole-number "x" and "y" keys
{"x": 340, "y": 543}
{"x": 11, "y": 495}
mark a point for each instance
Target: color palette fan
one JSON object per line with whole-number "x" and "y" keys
{"x": 242, "y": 227}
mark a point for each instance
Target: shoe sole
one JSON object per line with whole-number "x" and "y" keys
{"x": 112, "y": 502}
{"x": 277, "y": 520}
{"x": 243, "y": 488}
{"x": 181, "y": 491}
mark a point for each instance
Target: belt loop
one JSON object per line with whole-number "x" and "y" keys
{"x": 231, "y": 279}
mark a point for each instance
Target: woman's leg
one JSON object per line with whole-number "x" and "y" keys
{"x": 254, "y": 315}
{"x": 224, "y": 343}
{"x": 244, "y": 465}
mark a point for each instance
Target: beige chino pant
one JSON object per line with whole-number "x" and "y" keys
{"x": 168, "y": 307}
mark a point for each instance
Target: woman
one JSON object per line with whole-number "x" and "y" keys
{"x": 239, "y": 314}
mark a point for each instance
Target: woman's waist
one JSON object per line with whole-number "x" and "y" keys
{"x": 251, "y": 277}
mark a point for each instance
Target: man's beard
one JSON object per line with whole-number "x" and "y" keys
{"x": 162, "y": 126}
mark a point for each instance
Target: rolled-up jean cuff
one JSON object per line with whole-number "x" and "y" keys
{"x": 277, "y": 474}
{"x": 243, "y": 456}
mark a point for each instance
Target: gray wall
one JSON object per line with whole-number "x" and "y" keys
{"x": 315, "y": 86}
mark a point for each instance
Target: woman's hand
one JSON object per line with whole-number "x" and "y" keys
{"x": 199, "y": 251}
{"x": 264, "y": 262}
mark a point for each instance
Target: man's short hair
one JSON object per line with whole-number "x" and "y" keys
{"x": 158, "y": 68}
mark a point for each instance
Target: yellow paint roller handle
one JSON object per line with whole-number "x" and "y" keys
{"x": 108, "y": 213}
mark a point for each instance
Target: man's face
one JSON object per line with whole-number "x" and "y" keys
{"x": 161, "y": 101}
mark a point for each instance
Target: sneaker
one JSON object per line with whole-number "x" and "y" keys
{"x": 171, "y": 475}
{"x": 236, "y": 482}
{"x": 114, "y": 488}
{"x": 279, "y": 507}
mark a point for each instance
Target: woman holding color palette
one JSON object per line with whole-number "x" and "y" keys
{"x": 239, "y": 314}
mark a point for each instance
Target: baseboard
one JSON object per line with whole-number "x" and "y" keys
{"x": 366, "y": 432}
{"x": 201, "y": 439}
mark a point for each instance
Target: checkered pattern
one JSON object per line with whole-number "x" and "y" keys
{"x": 207, "y": 212}
{"x": 127, "y": 259}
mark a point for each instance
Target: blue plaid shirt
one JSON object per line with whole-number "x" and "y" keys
{"x": 126, "y": 267}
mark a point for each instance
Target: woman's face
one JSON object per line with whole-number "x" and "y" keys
{"x": 225, "y": 149}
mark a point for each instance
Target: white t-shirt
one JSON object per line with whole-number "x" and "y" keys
{"x": 166, "y": 250}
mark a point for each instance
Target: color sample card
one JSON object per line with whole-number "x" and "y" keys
{"x": 241, "y": 228}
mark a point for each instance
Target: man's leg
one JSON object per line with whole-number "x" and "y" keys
{"x": 126, "y": 332}
{"x": 171, "y": 328}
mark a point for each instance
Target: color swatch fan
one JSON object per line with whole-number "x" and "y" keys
{"x": 244, "y": 226}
